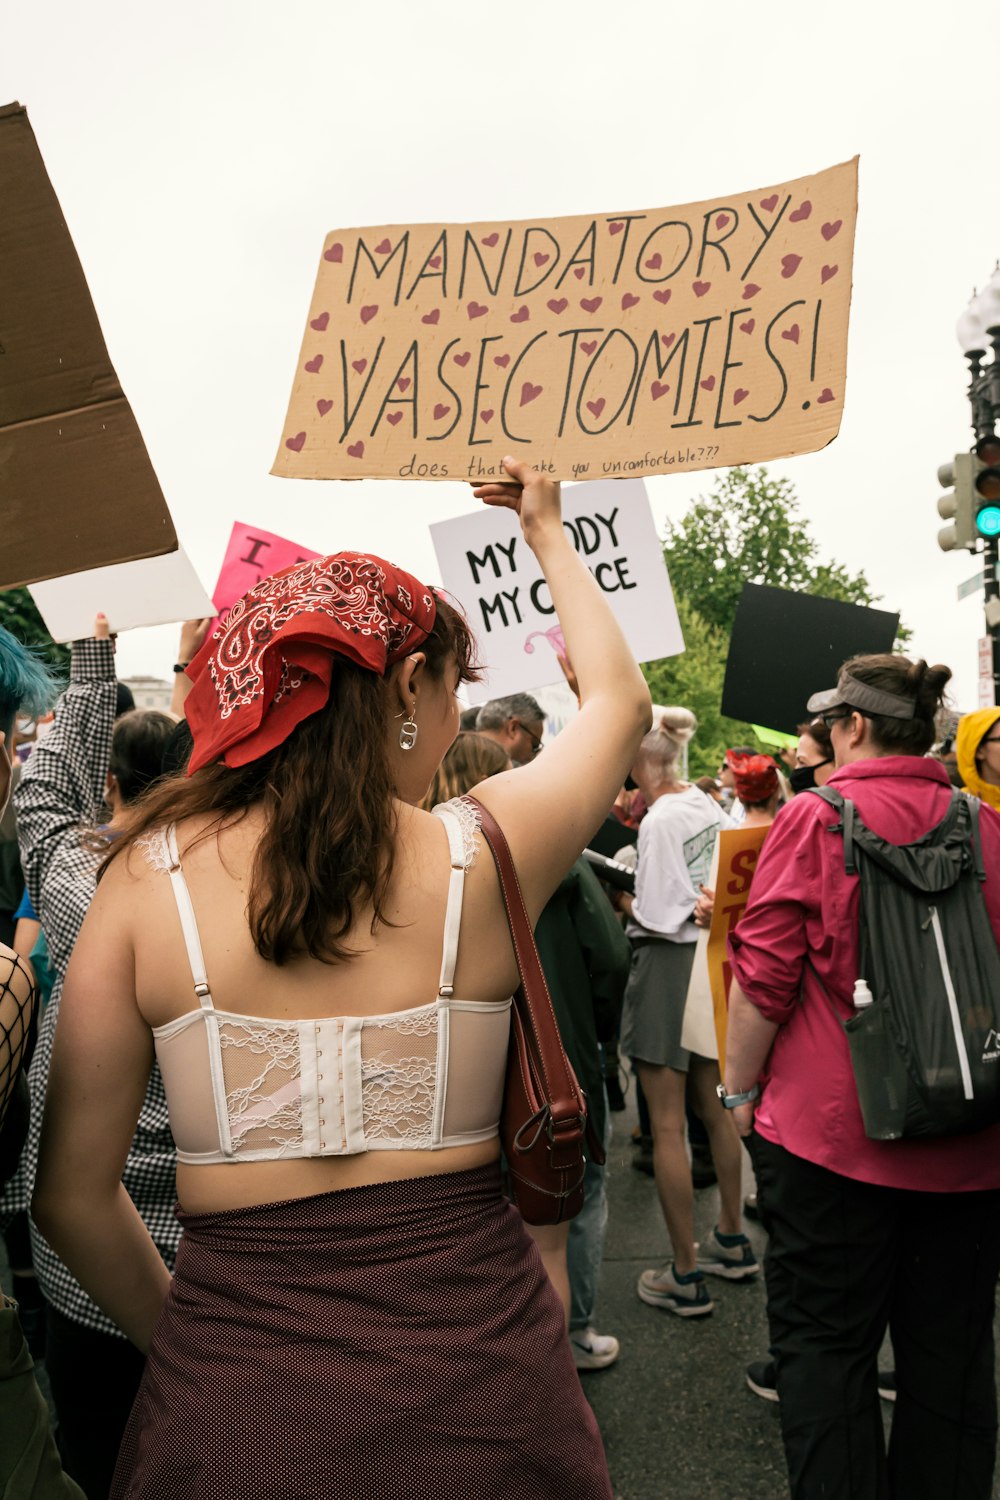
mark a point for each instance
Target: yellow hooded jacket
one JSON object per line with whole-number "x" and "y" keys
{"x": 971, "y": 730}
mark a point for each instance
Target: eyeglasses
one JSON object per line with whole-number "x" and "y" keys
{"x": 993, "y": 740}
{"x": 536, "y": 739}
{"x": 832, "y": 716}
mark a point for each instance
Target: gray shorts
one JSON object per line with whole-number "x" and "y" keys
{"x": 653, "y": 1014}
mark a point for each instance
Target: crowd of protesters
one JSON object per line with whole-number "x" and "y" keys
{"x": 254, "y": 1202}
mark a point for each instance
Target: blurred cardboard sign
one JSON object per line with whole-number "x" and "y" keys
{"x": 739, "y": 850}
{"x": 785, "y": 646}
{"x": 77, "y": 490}
{"x": 154, "y": 591}
{"x": 252, "y": 554}
{"x": 622, "y": 344}
{"x": 487, "y": 565}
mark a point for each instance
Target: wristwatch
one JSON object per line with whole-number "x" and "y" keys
{"x": 733, "y": 1101}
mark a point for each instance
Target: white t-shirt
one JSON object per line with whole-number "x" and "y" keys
{"x": 676, "y": 841}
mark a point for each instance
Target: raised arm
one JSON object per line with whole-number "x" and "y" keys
{"x": 550, "y": 809}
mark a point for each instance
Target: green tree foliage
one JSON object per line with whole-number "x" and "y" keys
{"x": 19, "y": 615}
{"x": 746, "y": 530}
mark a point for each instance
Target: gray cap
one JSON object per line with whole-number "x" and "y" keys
{"x": 850, "y": 693}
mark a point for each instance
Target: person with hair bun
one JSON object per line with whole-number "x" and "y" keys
{"x": 865, "y": 1234}
{"x": 677, "y": 839}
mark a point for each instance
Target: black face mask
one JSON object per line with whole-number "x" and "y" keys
{"x": 803, "y": 777}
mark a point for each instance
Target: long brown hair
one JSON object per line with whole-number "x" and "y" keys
{"x": 327, "y": 798}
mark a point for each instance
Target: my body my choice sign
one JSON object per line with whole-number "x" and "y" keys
{"x": 489, "y": 568}
{"x": 613, "y": 344}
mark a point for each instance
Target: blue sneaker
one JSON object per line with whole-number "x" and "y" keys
{"x": 728, "y": 1255}
{"x": 686, "y": 1295}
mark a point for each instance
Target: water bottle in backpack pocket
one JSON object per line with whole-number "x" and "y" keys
{"x": 926, "y": 1050}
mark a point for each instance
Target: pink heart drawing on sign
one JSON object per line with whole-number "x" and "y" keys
{"x": 357, "y": 450}
{"x": 789, "y": 265}
{"x": 700, "y": 287}
{"x": 829, "y": 230}
{"x": 802, "y": 212}
{"x": 826, "y": 273}
{"x": 541, "y": 257}
{"x": 769, "y": 204}
{"x": 709, "y": 384}
{"x": 521, "y": 316}
{"x": 721, "y": 221}
{"x": 323, "y": 407}
{"x": 462, "y": 359}
{"x": 591, "y": 304}
{"x": 393, "y": 417}
{"x": 588, "y": 345}
{"x": 335, "y": 254}
{"x": 596, "y": 407}
{"x": 476, "y": 309}
{"x": 503, "y": 360}
{"x": 748, "y": 326}
{"x": 315, "y": 364}
{"x": 435, "y": 261}
{"x": 557, "y": 304}
{"x": 320, "y": 323}
{"x": 657, "y": 390}
{"x": 441, "y": 411}
{"x": 579, "y": 272}
{"x": 616, "y": 227}
{"x": 296, "y": 442}
{"x": 739, "y": 395}
{"x": 654, "y": 262}
{"x": 663, "y": 296}
{"x": 791, "y": 334}
{"x": 667, "y": 339}
{"x": 750, "y": 290}
{"x": 529, "y": 392}
{"x": 486, "y": 416}
{"x": 383, "y": 247}
{"x": 431, "y": 317}
{"x": 360, "y": 365}
{"x": 629, "y": 301}
{"x": 490, "y": 239}
{"x": 367, "y": 313}
{"x": 403, "y": 382}
{"x": 826, "y": 396}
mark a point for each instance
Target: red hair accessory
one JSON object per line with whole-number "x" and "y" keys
{"x": 269, "y": 664}
{"x": 756, "y": 776}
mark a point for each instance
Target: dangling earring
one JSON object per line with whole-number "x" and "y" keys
{"x": 408, "y": 734}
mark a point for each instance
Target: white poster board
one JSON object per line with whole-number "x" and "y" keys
{"x": 486, "y": 564}
{"x": 155, "y": 591}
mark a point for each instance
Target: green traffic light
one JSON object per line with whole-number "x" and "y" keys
{"x": 988, "y": 521}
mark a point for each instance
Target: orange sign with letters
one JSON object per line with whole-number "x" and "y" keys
{"x": 739, "y": 849}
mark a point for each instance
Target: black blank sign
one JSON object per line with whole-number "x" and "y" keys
{"x": 786, "y": 646}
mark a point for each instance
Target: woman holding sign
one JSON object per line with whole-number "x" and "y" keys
{"x": 356, "y": 1308}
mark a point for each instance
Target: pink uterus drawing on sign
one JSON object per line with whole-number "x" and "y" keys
{"x": 553, "y": 635}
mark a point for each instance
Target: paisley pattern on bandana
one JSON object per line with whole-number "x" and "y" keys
{"x": 270, "y": 662}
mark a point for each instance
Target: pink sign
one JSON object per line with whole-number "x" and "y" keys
{"x": 253, "y": 554}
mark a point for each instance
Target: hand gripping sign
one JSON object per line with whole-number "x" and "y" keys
{"x": 597, "y": 346}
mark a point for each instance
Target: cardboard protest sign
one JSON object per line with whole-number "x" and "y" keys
{"x": 252, "y": 554}
{"x": 153, "y": 591}
{"x": 491, "y": 571}
{"x": 77, "y": 488}
{"x": 785, "y": 646}
{"x": 739, "y": 849}
{"x": 693, "y": 337}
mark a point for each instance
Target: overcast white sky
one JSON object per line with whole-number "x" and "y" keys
{"x": 202, "y": 150}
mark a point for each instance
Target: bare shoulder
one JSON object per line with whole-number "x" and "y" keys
{"x": 15, "y": 981}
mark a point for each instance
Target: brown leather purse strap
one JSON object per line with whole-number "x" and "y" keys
{"x": 537, "y": 1014}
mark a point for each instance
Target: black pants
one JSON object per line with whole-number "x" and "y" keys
{"x": 845, "y": 1261}
{"x": 94, "y": 1379}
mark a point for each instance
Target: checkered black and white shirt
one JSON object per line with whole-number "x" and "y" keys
{"x": 59, "y": 803}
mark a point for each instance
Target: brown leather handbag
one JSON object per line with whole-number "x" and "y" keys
{"x": 544, "y": 1127}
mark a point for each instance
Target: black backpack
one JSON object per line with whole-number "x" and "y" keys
{"x": 926, "y": 1052}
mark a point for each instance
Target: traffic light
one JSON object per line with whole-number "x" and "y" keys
{"x": 958, "y": 504}
{"x": 986, "y": 481}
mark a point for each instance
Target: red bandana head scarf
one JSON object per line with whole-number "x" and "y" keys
{"x": 270, "y": 663}
{"x": 756, "y": 776}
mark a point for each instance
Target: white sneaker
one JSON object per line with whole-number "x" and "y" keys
{"x": 593, "y": 1351}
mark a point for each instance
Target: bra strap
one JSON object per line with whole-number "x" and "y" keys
{"x": 456, "y": 890}
{"x": 189, "y": 923}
